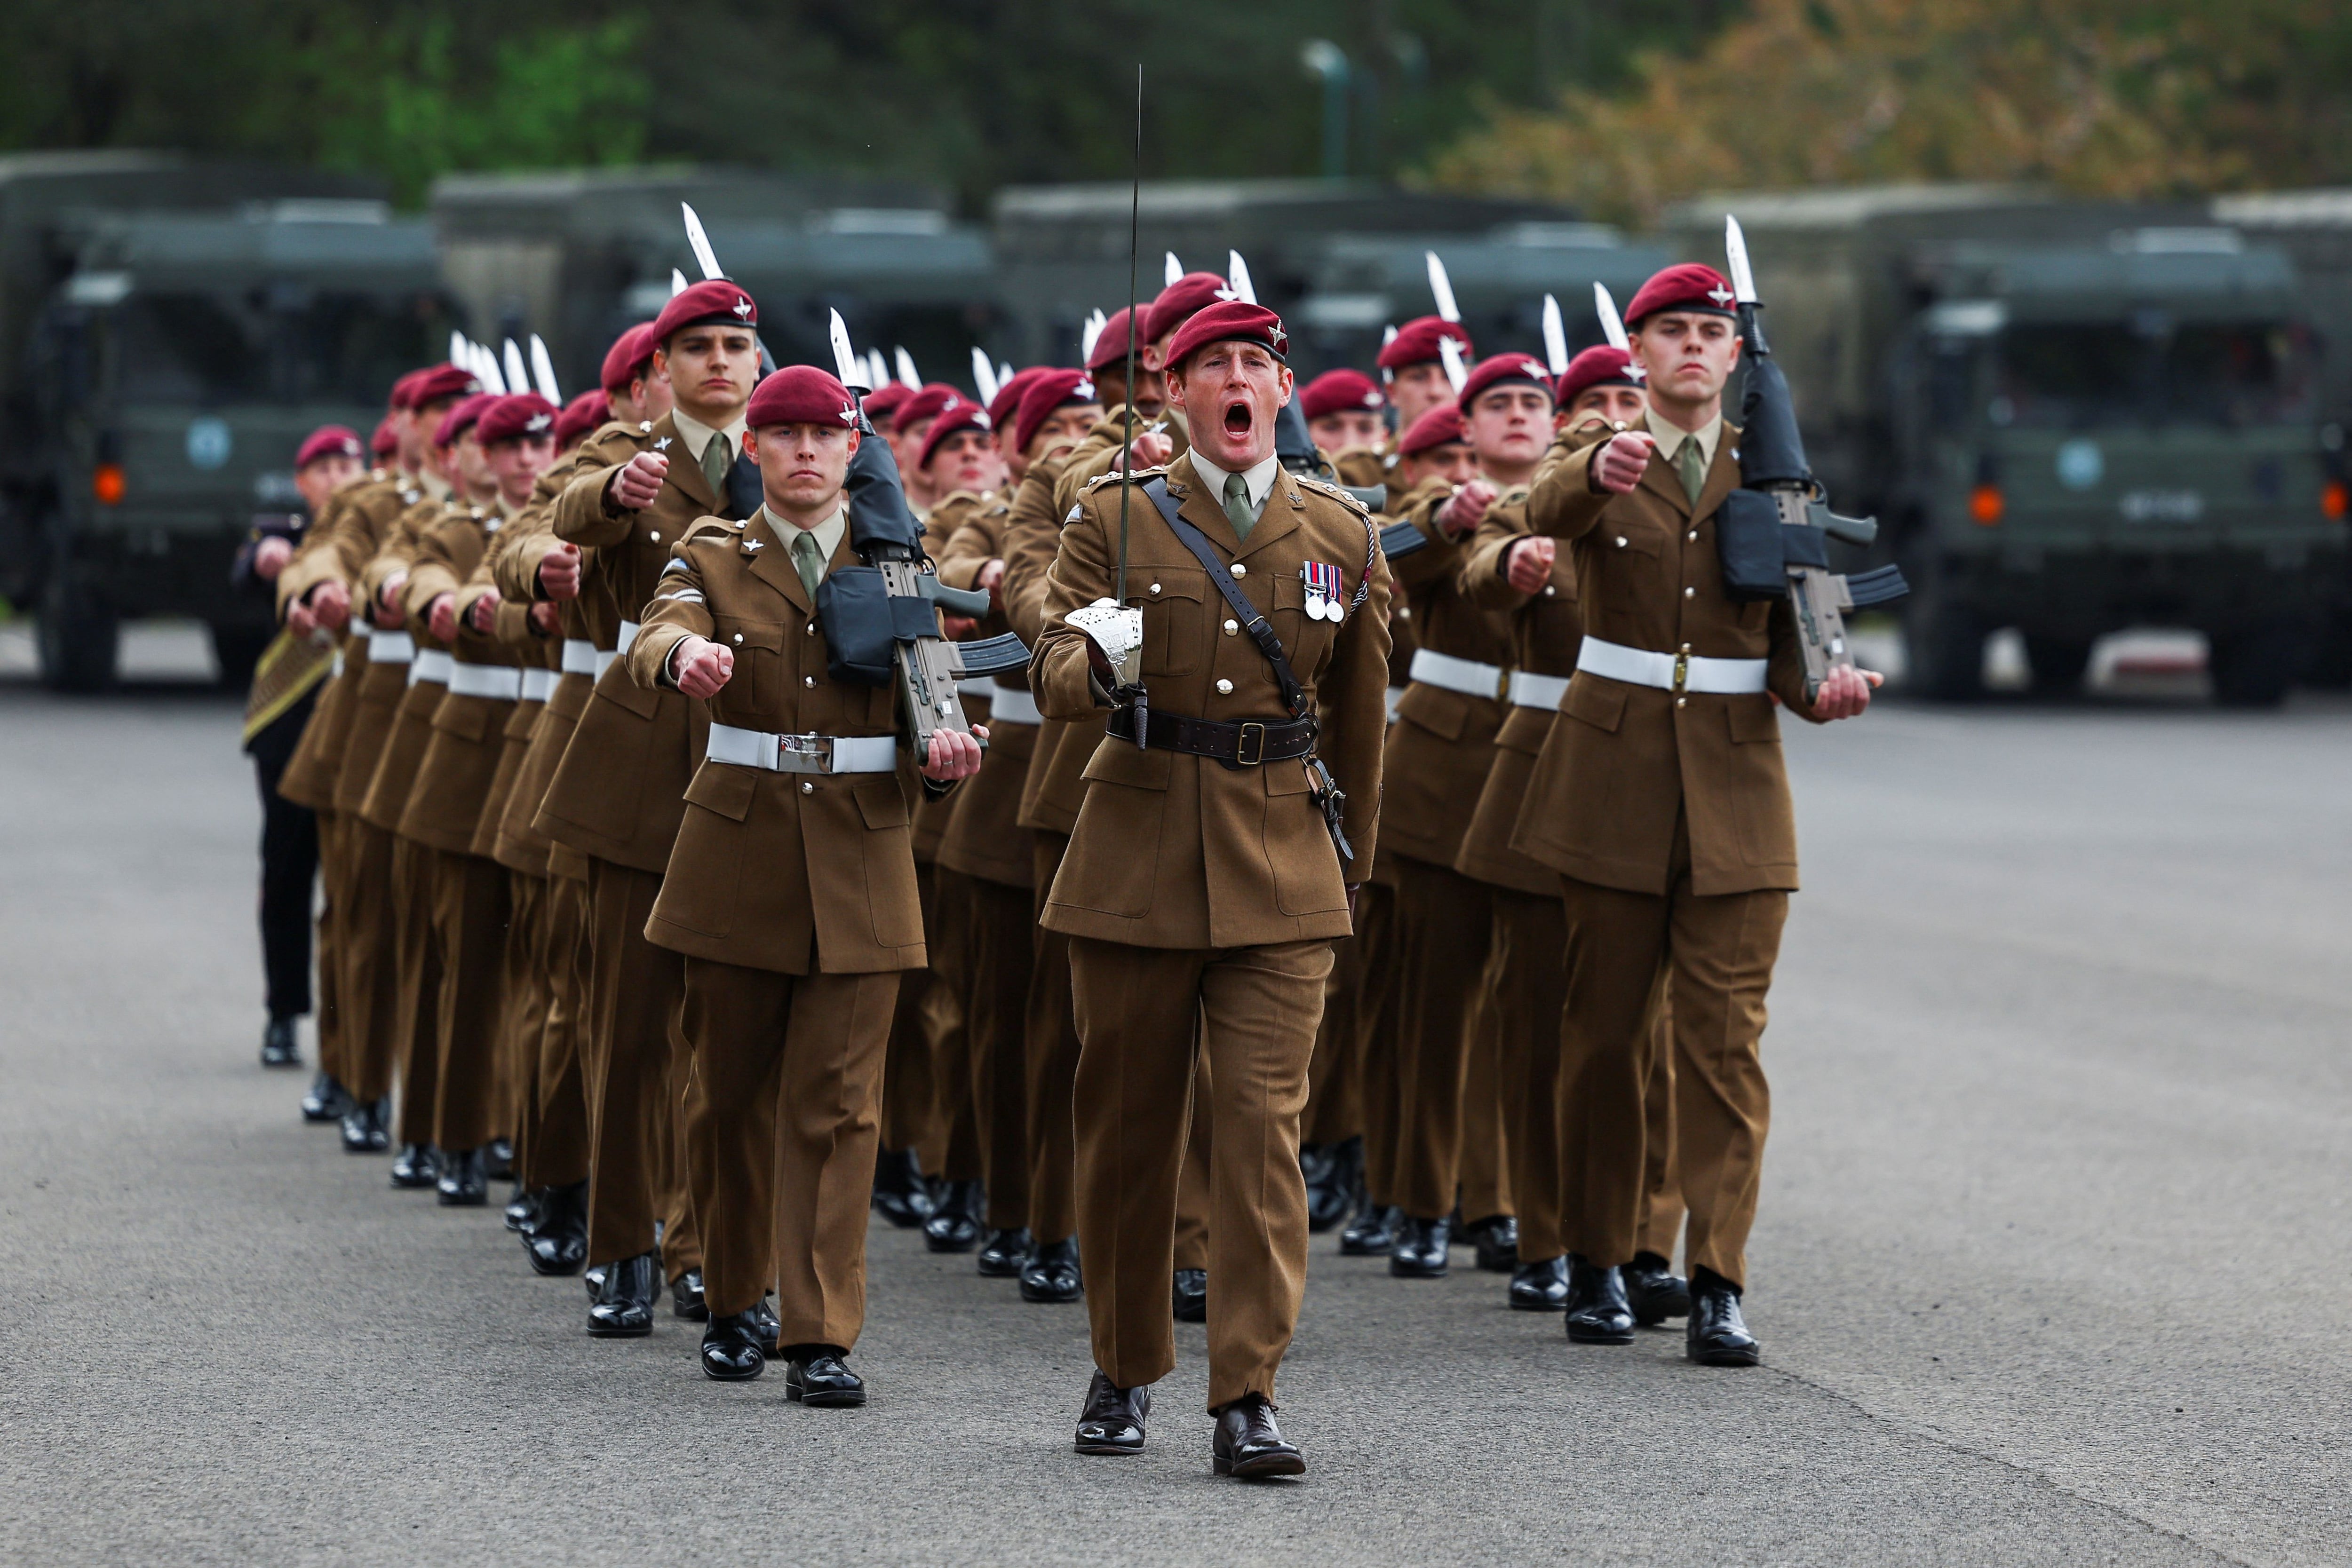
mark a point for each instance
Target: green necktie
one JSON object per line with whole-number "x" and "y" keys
{"x": 1690, "y": 464}
{"x": 716, "y": 460}
{"x": 806, "y": 560}
{"x": 1237, "y": 507}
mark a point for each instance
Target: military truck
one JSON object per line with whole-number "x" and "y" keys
{"x": 2070, "y": 418}
{"x": 169, "y": 332}
{"x": 579, "y": 255}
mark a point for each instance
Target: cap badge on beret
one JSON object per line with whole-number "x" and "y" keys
{"x": 538, "y": 422}
{"x": 1722, "y": 296}
{"x": 1280, "y": 337}
{"x": 1085, "y": 391}
{"x": 1372, "y": 397}
{"x": 1531, "y": 368}
{"x": 742, "y": 307}
{"x": 849, "y": 412}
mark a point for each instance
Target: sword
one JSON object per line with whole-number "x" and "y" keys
{"x": 702, "y": 243}
{"x": 1555, "y": 336}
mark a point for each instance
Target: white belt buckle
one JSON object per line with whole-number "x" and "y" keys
{"x": 804, "y": 754}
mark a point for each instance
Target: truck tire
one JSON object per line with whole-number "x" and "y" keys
{"x": 2058, "y": 662}
{"x": 1943, "y": 640}
{"x": 80, "y": 639}
{"x": 236, "y": 649}
{"x": 2252, "y": 668}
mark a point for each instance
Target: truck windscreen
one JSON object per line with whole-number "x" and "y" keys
{"x": 314, "y": 346}
{"x": 2070, "y": 375}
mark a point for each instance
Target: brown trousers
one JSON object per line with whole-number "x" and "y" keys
{"x": 1443, "y": 924}
{"x": 1196, "y": 1180}
{"x": 416, "y": 962}
{"x": 1375, "y": 1038}
{"x": 524, "y": 986}
{"x": 1143, "y": 1014}
{"x": 469, "y": 933}
{"x": 1625, "y": 952}
{"x": 1002, "y": 940}
{"x": 783, "y": 1124}
{"x": 1485, "y": 1167}
{"x": 1052, "y": 1065}
{"x": 626, "y": 1073}
{"x": 368, "y": 966}
{"x": 681, "y": 1235}
{"x": 332, "y": 945}
{"x": 1335, "y": 1103}
{"x": 559, "y": 1144}
{"x": 909, "y": 1098}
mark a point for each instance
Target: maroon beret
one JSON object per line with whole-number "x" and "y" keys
{"x": 517, "y": 416}
{"x": 1341, "y": 392}
{"x": 461, "y": 418}
{"x": 386, "y": 440}
{"x": 882, "y": 402}
{"x": 580, "y": 415}
{"x": 1438, "y": 426}
{"x": 1599, "y": 366}
{"x": 958, "y": 415}
{"x": 1193, "y": 291}
{"x": 628, "y": 356}
{"x": 441, "y": 382}
{"x": 1228, "y": 320}
{"x": 1110, "y": 345}
{"x": 801, "y": 394}
{"x": 328, "y": 440}
{"x": 1503, "y": 370}
{"x": 924, "y": 402}
{"x": 712, "y": 302}
{"x": 1692, "y": 286}
{"x": 1008, "y": 397}
{"x": 1055, "y": 388}
{"x": 1416, "y": 342}
{"x": 404, "y": 391}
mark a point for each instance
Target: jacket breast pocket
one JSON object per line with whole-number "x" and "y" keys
{"x": 1596, "y": 702}
{"x": 1175, "y": 617}
{"x": 759, "y": 650}
{"x": 1304, "y": 640}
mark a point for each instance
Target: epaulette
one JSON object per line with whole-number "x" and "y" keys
{"x": 711, "y": 528}
{"x": 1324, "y": 487}
{"x": 1100, "y": 480}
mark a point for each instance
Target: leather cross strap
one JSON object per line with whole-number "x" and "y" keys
{"x": 1294, "y": 696}
{"x": 1246, "y": 744}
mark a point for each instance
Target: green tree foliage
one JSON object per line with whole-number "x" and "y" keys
{"x": 2116, "y": 98}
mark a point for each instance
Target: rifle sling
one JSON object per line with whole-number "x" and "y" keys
{"x": 1294, "y": 696}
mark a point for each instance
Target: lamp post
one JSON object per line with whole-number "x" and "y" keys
{"x": 1324, "y": 58}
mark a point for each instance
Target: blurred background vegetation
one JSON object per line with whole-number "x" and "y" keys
{"x": 1617, "y": 105}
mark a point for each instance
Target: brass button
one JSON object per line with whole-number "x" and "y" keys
{"x": 1240, "y": 571}
{"x": 1224, "y": 688}
{"x": 1550, "y": 592}
{"x": 1621, "y": 541}
{"x": 1682, "y": 702}
{"x": 809, "y": 630}
{"x": 655, "y": 536}
{"x": 1231, "y": 627}
{"x": 1693, "y": 534}
{"x": 1155, "y": 588}
{"x": 1686, "y": 647}
{"x": 807, "y": 787}
{"x": 1690, "y": 593}
{"x": 808, "y": 680}
{"x": 738, "y": 636}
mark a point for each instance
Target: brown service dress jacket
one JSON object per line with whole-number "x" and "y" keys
{"x": 984, "y": 836}
{"x": 1176, "y": 851}
{"x": 454, "y": 778}
{"x": 794, "y": 872}
{"x": 1623, "y": 760}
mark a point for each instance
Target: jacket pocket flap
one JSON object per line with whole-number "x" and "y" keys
{"x": 465, "y": 720}
{"x": 1598, "y": 703}
{"x": 752, "y": 634}
{"x": 726, "y": 790}
{"x": 882, "y": 801}
{"x": 1442, "y": 712}
{"x": 1752, "y": 718}
{"x": 1119, "y": 762}
{"x": 617, "y": 686}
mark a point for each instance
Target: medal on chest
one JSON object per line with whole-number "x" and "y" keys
{"x": 1326, "y": 591}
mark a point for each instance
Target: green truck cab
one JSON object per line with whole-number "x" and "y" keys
{"x": 2070, "y": 419}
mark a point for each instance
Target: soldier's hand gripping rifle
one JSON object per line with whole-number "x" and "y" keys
{"x": 1774, "y": 531}
{"x": 881, "y": 620}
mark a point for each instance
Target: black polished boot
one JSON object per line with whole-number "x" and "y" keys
{"x": 1597, "y": 1313}
{"x": 1192, "y": 1293}
{"x": 1717, "y": 1334}
{"x": 734, "y": 1348}
{"x": 1249, "y": 1446}
{"x": 625, "y": 1307}
{"x": 764, "y": 1316}
{"x": 594, "y": 1278}
{"x": 366, "y": 1128}
{"x": 1005, "y": 1253}
{"x": 954, "y": 1225}
{"x": 462, "y": 1183}
{"x": 900, "y": 1194}
{"x": 1112, "y": 1420}
{"x": 325, "y": 1099}
{"x": 558, "y": 1244}
{"x": 1052, "y": 1275}
{"x": 1540, "y": 1287}
{"x": 1654, "y": 1290}
{"x": 686, "y": 1298}
{"x": 417, "y": 1165}
{"x": 498, "y": 1159}
{"x": 279, "y": 1048}
{"x": 1422, "y": 1249}
{"x": 1343, "y": 1178}
{"x": 1497, "y": 1240}
{"x": 1372, "y": 1234}
{"x": 816, "y": 1374}
{"x": 522, "y": 1209}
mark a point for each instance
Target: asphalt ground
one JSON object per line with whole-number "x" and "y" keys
{"x": 2049, "y": 1268}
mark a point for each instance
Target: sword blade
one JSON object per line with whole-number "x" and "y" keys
{"x": 1735, "y": 250}
{"x": 1555, "y": 336}
{"x": 702, "y": 243}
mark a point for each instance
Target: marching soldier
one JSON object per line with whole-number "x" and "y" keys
{"x": 1661, "y": 798}
{"x": 1204, "y": 880}
{"x": 909, "y": 427}
{"x": 1412, "y": 367}
{"x": 791, "y": 973}
{"x": 1348, "y": 416}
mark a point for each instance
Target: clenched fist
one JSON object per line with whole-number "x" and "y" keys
{"x": 441, "y": 617}
{"x": 638, "y": 483}
{"x": 329, "y": 605}
{"x": 700, "y": 666}
{"x": 1528, "y": 566}
{"x": 953, "y": 754}
{"x": 559, "y": 572}
{"x": 482, "y": 615}
{"x": 1462, "y": 515}
{"x": 1619, "y": 466}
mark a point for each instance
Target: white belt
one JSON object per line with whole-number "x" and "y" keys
{"x": 981, "y": 690}
{"x": 1670, "y": 672}
{"x": 1396, "y": 696}
{"x": 390, "y": 647}
{"x": 605, "y": 656}
{"x": 495, "y": 681}
{"x": 538, "y": 686}
{"x": 1531, "y": 690}
{"x": 579, "y": 657}
{"x": 803, "y": 753}
{"x": 431, "y": 665}
{"x": 1469, "y": 676}
{"x": 339, "y": 665}
{"x": 1013, "y": 705}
